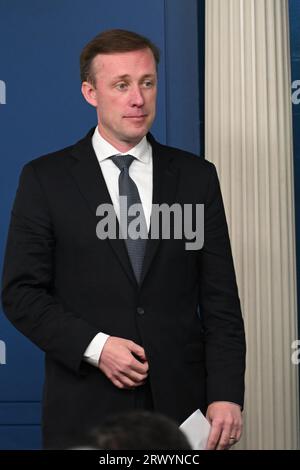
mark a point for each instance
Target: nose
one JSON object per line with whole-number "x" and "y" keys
{"x": 137, "y": 98}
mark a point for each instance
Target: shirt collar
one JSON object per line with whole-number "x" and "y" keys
{"x": 104, "y": 150}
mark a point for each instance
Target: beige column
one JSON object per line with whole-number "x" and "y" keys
{"x": 248, "y": 136}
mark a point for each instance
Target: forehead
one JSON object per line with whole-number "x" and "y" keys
{"x": 125, "y": 63}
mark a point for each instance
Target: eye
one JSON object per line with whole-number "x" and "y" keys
{"x": 148, "y": 84}
{"x": 121, "y": 86}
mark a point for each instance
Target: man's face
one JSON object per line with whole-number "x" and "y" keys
{"x": 124, "y": 95}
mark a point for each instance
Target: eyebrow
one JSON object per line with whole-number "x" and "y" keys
{"x": 126, "y": 76}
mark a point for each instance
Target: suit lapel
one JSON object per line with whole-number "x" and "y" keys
{"x": 165, "y": 182}
{"x": 88, "y": 175}
{"x": 89, "y": 178}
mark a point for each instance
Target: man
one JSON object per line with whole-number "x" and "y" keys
{"x": 125, "y": 324}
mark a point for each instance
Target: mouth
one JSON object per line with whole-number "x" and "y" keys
{"x": 136, "y": 117}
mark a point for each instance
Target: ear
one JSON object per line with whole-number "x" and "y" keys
{"x": 89, "y": 93}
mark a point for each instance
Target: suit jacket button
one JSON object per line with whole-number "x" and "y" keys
{"x": 140, "y": 310}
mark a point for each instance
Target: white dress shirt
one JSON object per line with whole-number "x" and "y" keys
{"x": 141, "y": 172}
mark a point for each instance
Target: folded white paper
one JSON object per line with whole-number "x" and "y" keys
{"x": 196, "y": 428}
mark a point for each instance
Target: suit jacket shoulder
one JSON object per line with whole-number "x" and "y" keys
{"x": 182, "y": 158}
{"x": 197, "y": 174}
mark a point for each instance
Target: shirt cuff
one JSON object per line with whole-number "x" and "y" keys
{"x": 93, "y": 351}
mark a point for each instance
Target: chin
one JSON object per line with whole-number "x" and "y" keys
{"x": 136, "y": 135}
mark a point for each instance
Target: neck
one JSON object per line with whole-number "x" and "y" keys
{"x": 122, "y": 146}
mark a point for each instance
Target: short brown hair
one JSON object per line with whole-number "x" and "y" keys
{"x": 108, "y": 42}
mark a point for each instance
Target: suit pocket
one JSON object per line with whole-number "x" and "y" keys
{"x": 194, "y": 352}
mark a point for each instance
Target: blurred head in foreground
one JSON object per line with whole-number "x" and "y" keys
{"x": 139, "y": 430}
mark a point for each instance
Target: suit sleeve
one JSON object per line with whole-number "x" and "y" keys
{"x": 28, "y": 279}
{"x": 219, "y": 304}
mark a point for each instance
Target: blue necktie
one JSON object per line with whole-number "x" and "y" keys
{"x": 127, "y": 187}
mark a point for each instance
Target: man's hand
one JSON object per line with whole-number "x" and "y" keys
{"x": 118, "y": 363}
{"x": 226, "y": 425}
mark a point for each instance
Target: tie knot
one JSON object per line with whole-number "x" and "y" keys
{"x": 122, "y": 161}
